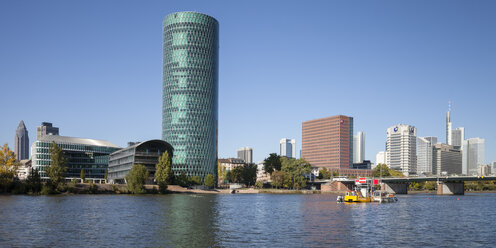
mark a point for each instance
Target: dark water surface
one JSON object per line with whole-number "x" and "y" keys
{"x": 262, "y": 220}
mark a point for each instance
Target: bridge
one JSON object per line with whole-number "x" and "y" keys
{"x": 447, "y": 185}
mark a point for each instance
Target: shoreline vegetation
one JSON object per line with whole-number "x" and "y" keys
{"x": 115, "y": 189}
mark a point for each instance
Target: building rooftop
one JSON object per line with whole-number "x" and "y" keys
{"x": 74, "y": 140}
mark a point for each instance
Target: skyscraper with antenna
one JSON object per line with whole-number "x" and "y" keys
{"x": 448, "y": 125}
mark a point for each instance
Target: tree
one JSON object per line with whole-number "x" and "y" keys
{"x": 227, "y": 176}
{"x": 277, "y": 179}
{"x": 195, "y": 180}
{"x": 249, "y": 174}
{"x": 381, "y": 169}
{"x": 163, "y": 172}
{"x": 106, "y": 175}
{"x": 259, "y": 184}
{"x": 210, "y": 181}
{"x": 325, "y": 174}
{"x": 182, "y": 180}
{"x": 57, "y": 167}
{"x": 34, "y": 181}
{"x": 273, "y": 162}
{"x": 237, "y": 174}
{"x": 82, "y": 175}
{"x": 295, "y": 170}
{"x": 8, "y": 167}
{"x": 136, "y": 179}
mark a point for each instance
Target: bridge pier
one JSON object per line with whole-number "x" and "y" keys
{"x": 451, "y": 188}
{"x": 336, "y": 186}
{"x": 395, "y": 188}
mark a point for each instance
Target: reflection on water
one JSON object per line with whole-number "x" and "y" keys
{"x": 245, "y": 220}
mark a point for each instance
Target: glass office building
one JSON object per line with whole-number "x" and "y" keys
{"x": 89, "y": 155}
{"x": 190, "y": 91}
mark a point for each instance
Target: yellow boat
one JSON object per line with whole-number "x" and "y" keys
{"x": 356, "y": 196}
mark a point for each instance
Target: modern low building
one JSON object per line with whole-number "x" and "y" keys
{"x": 364, "y": 165}
{"x": 446, "y": 160}
{"x": 89, "y": 155}
{"x": 146, "y": 153}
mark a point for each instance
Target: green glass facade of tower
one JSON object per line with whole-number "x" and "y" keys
{"x": 190, "y": 91}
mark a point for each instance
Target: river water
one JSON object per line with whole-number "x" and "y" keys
{"x": 256, "y": 220}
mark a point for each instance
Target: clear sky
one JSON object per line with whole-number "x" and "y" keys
{"x": 94, "y": 68}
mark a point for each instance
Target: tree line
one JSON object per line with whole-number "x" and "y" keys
{"x": 287, "y": 173}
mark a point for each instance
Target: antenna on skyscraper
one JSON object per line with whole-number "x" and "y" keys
{"x": 449, "y": 105}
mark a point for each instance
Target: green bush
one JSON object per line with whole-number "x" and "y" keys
{"x": 136, "y": 179}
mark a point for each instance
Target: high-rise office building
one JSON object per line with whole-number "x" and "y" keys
{"x": 424, "y": 156}
{"x": 246, "y": 154}
{"x": 431, "y": 139}
{"x": 21, "y": 142}
{"x": 45, "y": 129}
{"x": 473, "y": 155}
{"x": 446, "y": 159}
{"x": 287, "y": 148}
{"x": 457, "y": 137}
{"x": 359, "y": 147}
{"x": 380, "y": 158}
{"x": 449, "y": 126}
{"x": 401, "y": 148}
{"x": 328, "y": 142}
{"x": 190, "y": 91}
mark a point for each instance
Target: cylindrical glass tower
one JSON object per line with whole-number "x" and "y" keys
{"x": 190, "y": 91}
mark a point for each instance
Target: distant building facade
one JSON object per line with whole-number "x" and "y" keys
{"x": 364, "y": 165}
{"x": 473, "y": 155}
{"x": 89, "y": 155}
{"x": 424, "y": 156}
{"x": 359, "y": 147}
{"x": 401, "y": 148}
{"x": 287, "y": 148}
{"x": 483, "y": 170}
{"x": 24, "y": 169}
{"x": 246, "y": 154}
{"x": 457, "y": 137}
{"x": 380, "y": 158}
{"x": 446, "y": 159}
{"x": 21, "y": 142}
{"x": 328, "y": 143}
{"x": 146, "y": 153}
{"x": 45, "y": 129}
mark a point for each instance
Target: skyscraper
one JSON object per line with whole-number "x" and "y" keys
{"x": 359, "y": 147}
{"x": 380, "y": 158}
{"x": 473, "y": 155}
{"x": 21, "y": 142}
{"x": 401, "y": 148}
{"x": 424, "y": 156}
{"x": 328, "y": 142}
{"x": 287, "y": 148}
{"x": 190, "y": 91}
{"x": 45, "y": 129}
{"x": 246, "y": 154}
{"x": 446, "y": 159}
{"x": 457, "y": 137}
{"x": 449, "y": 127}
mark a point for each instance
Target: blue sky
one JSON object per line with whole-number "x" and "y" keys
{"x": 93, "y": 68}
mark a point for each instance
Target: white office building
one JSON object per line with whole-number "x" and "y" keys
{"x": 472, "y": 155}
{"x": 449, "y": 126}
{"x": 287, "y": 148}
{"x": 359, "y": 147}
{"x": 380, "y": 158}
{"x": 401, "y": 148}
{"x": 424, "y": 156}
